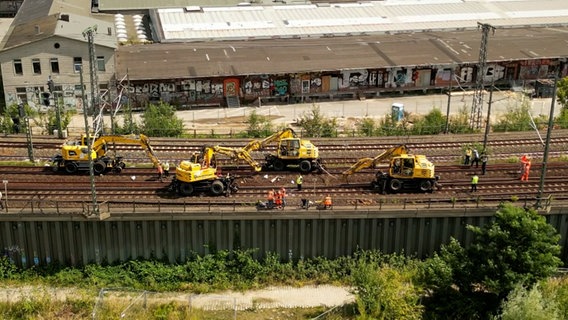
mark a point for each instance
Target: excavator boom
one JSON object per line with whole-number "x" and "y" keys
{"x": 99, "y": 145}
{"x": 365, "y": 163}
{"x": 238, "y": 154}
{"x": 259, "y": 144}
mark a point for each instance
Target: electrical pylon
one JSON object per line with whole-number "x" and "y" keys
{"x": 476, "y": 118}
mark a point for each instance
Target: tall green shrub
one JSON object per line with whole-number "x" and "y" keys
{"x": 160, "y": 120}
{"x": 386, "y": 293}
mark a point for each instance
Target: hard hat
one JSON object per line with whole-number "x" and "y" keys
{"x": 132, "y": 178}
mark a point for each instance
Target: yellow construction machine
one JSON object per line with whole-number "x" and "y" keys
{"x": 201, "y": 175}
{"x": 74, "y": 155}
{"x": 405, "y": 172}
{"x": 291, "y": 151}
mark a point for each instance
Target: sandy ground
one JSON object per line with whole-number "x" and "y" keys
{"x": 268, "y": 298}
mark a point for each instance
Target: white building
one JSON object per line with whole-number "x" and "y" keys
{"x": 46, "y": 40}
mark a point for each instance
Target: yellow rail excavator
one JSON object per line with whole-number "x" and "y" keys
{"x": 405, "y": 172}
{"x": 201, "y": 175}
{"x": 291, "y": 151}
{"x": 74, "y": 155}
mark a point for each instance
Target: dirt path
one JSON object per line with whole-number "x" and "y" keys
{"x": 271, "y": 297}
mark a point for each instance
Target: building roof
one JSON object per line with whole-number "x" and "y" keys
{"x": 38, "y": 20}
{"x": 133, "y": 5}
{"x": 280, "y": 56}
{"x": 351, "y": 18}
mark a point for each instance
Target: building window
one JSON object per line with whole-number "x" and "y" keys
{"x": 100, "y": 63}
{"x": 54, "y": 65}
{"x": 21, "y": 95}
{"x": 36, "y": 66}
{"x": 77, "y": 64}
{"x": 18, "y": 69}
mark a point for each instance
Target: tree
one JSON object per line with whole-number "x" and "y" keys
{"x": 129, "y": 124}
{"x": 13, "y": 122}
{"x": 562, "y": 92}
{"x": 160, "y": 121}
{"x": 366, "y": 127}
{"x": 517, "y": 247}
{"x": 258, "y": 125}
{"x": 316, "y": 124}
{"x": 518, "y": 118}
{"x": 48, "y": 120}
{"x": 433, "y": 123}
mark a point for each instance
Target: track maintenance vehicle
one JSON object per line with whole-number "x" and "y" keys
{"x": 406, "y": 172}
{"x": 74, "y": 155}
{"x": 201, "y": 174}
{"x": 291, "y": 151}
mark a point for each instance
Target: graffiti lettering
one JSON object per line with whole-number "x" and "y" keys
{"x": 281, "y": 87}
{"x": 466, "y": 74}
{"x": 494, "y": 72}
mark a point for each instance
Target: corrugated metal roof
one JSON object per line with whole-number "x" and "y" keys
{"x": 114, "y": 5}
{"x": 352, "y": 18}
{"x": 230, "y": 58}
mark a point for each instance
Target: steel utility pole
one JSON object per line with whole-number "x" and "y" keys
{"x": 89, "y": 33}
{"x": 538, "y": 203}
{"x": 89, "y": 150}
{"x": 51, "y": 88}
{"x": 488, "y": 122}
{"x": 477, "y": 106}
{"x": 447, "y": 129}
{"x": 24, "y": 116}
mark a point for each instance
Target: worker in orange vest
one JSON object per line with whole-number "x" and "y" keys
{"x": 160, "y": 172}
{"x": 278, "y": 199}
{"x": 327, "y": 202}
{"x": 526, "y": 170}
{"x": 270, "y": 199}
{"x": 524, "y": 160}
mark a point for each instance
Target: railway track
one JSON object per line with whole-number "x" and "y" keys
{"x": 139, "y": 184}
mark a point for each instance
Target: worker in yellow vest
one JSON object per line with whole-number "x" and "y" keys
{"x": 299, "y": 181}
{"x": 474, "y": 181}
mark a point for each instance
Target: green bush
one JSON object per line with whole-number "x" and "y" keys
{"x": 315, "y": 124}
{"x": 528, "y": 304}
{"x": 160, "y": 120}
{"x": 258, "y": 126}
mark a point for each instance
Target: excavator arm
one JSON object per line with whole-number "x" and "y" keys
{"x": 99, "y": 145}
{"x": 365, "y": 163}
{"x": 238, "y": 154}
{"x": 256, "y": 145}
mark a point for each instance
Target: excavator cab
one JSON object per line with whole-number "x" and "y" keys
{"x": 77, "y": 149}
{"x": 411, "y": 166}
{"x": 296, "y": 148}
{"x": 294, "y": 151}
